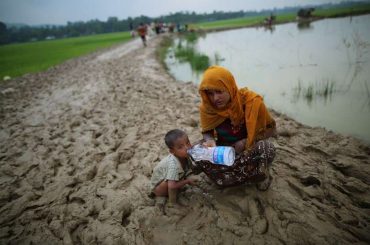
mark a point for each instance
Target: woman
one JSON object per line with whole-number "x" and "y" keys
{"x": 235, "y": 117}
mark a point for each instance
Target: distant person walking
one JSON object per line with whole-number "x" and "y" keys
{"x": 142, "y": 31}
{"x": 157, "y": 28}
{"x": 132, "y": 29}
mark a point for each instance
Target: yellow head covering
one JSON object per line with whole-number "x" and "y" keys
{"x": 245, "y": 105}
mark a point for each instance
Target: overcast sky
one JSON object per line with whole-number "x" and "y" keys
{"x": 36, "y": 12}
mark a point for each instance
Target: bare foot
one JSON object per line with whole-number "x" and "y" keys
{"x": 160, "y": 203}
{"x": 175, "y": 209}
{"x": 265, "y": 184}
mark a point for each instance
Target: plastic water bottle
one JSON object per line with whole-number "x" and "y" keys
{"x": 223, "y": 155}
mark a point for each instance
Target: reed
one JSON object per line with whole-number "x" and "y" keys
{"x": 162, "y": 50}
{"x": 185, "y": 51}
{"x": 324, "y": 89}
{"x": 198, "y": 61}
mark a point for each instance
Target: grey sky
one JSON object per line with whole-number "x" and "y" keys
{"x": 60, "y": 11}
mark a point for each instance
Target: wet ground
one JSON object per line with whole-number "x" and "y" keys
{"x": 79, "y": 141}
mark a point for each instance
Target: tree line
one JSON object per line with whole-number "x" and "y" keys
{"x": 25, "y": 33}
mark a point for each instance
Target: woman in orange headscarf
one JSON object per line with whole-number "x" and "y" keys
{"x": 235, "y": 117}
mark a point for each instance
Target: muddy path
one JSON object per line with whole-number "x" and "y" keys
{"x": 79, "y": 141}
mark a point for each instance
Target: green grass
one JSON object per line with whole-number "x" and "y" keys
{"x": 280, "y": 18}
{"x": 337, "y": 12}
{"x": 323, "y": 89}
{"x": 238, "y": 22}
{"x": 286, "y": 17}
{"x": 19, "y": 59}
{"x": 162, "y": 50}
{"x": 197, "y": 61}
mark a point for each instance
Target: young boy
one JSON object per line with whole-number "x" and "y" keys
{"x": 169, "y": 175}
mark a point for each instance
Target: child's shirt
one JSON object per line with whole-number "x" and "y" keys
{"x": 169, "y": 168}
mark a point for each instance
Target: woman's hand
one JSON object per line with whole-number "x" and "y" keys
{"x": 209, "y": 143}
{"x": 240, "y": 146}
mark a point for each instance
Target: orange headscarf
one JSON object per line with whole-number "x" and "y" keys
{"x": 245, "y": 105}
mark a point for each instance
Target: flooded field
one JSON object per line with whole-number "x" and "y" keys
{"x": 318, "y": 73}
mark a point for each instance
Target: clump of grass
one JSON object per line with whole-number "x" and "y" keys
{"x": 187, "y": 53}
{"x": 184, "y": 54}
{"x": 191, "y": 37}
{"x": 309, "y": 93}
{"x": 162, "y": 51}
{"x": 198, "y": 62}
{"x": 324, "y": 89}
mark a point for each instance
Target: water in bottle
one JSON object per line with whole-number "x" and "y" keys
{"x": 223, "y": 155}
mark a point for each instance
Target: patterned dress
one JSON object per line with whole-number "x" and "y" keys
{"x": 248, "y": 166}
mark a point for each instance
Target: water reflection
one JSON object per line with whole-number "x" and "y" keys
{"x": 271, "y": 28}
{"x": 357, "y": 50}
{"x": 304, "y": 25}
{"x": 320, "y": 77}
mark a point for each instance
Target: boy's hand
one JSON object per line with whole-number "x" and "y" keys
{"x": 192, "y": 181}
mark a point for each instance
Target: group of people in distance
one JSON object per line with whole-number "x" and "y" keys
{"x": 143, "y": 30}
{"x": 228, "y": 117}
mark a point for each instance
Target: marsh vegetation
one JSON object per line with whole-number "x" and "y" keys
{"x": 184, "y": 52}
{"x": 318, "y": 90}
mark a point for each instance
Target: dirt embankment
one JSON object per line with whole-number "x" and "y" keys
{"x": 78, "y": 143}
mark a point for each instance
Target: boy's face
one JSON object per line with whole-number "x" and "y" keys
{"x": 181, "y": 146}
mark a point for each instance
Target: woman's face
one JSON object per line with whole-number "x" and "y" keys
{"x": 219, "y": 98}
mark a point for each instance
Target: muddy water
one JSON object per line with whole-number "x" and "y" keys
{"x": 317, "y": 73}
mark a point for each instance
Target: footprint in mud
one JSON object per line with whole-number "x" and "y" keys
{"x": 257, "y": 214}
{"x": 75, "y": 123}
{"x": 310, "y": 180}
{"x": 315, "y": 149}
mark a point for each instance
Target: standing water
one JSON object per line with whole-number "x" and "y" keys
{"x": 318, "y": 73}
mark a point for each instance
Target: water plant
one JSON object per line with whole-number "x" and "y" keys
{"x": 198, "y": 61}
{"x": 163, "y": 49}
{"x": 218, "y": 58}
{"x": 309, "y": 93}
{"x": 187, "y": 53}
{"x": 191, "y": 37}
{"x": 323, "y": 89}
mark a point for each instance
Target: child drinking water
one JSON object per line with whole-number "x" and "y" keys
{"x": 170, "y": 174}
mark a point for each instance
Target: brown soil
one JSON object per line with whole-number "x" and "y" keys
{"x": 79, "y": 141}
